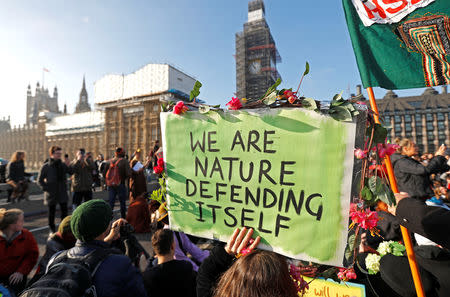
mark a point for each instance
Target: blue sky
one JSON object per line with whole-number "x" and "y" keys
{"x": 95, "y": 38}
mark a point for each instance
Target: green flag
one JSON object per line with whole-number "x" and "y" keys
{"x": 400, "y": 44}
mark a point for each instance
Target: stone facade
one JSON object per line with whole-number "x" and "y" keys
{"x": 130, "y": 122}
{"x": 41, "y": 101}
{"x": 423, "y": 118}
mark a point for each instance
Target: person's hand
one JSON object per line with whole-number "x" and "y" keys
{"x": 15, "y": 278}
{"x": 80, "y": 156}
{"x": 114, "y": 234}
{"x": 398, "y": 197}
{"x": 239, "y": 241}
{"x": 441, "y": 150}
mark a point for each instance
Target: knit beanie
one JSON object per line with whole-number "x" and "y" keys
{"x": 64, "y": 226}
{"x": 91, "y": 219}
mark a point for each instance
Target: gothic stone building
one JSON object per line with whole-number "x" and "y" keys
{"x": 423, "y": 118}
{"x": 127, "y": 116}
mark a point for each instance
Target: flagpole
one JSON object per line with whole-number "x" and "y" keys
{"x": 43, "y": 73}
{"x": 393, "y": 182}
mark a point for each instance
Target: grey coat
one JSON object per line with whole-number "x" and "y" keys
{"x": 53, "y": 181}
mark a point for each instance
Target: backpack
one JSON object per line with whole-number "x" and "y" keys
{"x": 69, "y": 276}
{"x": 113, "y": 175}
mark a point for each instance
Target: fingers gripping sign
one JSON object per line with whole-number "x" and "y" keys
{"x": 241, "y": 240}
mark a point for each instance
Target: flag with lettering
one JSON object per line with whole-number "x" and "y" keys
{"x": 400, "y": 44}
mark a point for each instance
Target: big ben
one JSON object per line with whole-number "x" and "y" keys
{"x": 256, "y": 55}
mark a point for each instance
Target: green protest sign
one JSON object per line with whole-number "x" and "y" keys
{"x": 284, "y": 172}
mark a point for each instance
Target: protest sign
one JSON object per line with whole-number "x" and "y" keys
{"x": 284, "y": 172}
{"x": 328, "y": 288}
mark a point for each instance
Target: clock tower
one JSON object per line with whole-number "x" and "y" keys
{"x": 83, "y": 104}
{"x": 256, "y": 55}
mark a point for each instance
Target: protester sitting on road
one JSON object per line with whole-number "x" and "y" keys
{"x": 18, "y": 250}
{"x": 91, "y": 225}
{"x": 170, "y": 277}
{"x": 53, "y": 181}
{"x": 433, "y": 258}
{"x": 16, "y": 176}
{"x": 257, "y": 274}
{"x": 59, "y": 241}
{"x": 82, "y": 179}
{"x": 116, "y": 172}
{"x": 183, "y": 245}
{"x": 412, "y": 176}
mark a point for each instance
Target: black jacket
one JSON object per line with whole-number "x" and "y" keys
{"x": 173, "y": 278}
{"x": 429, "y": 221}
{"x": 414, "y": 178}
{"x": 211, "y": 269}
{"x": 15, "y": 171}
{"x": 53, "y": 181}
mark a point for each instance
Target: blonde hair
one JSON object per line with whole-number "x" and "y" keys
{"x": 404, "y": 143}
{"x": 17, "y": 156}
{"x": 9, "y": 217}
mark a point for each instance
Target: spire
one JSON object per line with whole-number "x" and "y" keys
{"x": 83, "y": 104}
{"x": 65, "y": 108}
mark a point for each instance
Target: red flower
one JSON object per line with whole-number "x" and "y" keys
{"x": 158, "y": 169}
{"x": 161, "y": 162}
{"x": 346, "y": 273}
{"x": 180, "y": 108}
{"x": 234, "y": 104}
{"x": 288, "y": 93}
{"x": 365, "y": 218}
{"x": 292, "y": 99}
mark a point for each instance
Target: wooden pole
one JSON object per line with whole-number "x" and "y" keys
{"x": 405, "y": 234}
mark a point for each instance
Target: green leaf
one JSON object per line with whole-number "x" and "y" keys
{"x": 272, "y": 88}
{"x": 271, "y": 98}
{"x": 204, "y": 108}
{"x": 397, "y": 249}
{"x": 338, "y": 96}
{"x": 380, "y": 133}
{"x": 164, "y": 107}
{"x": 341, "y": 114}
{"x": 367, "y": 194}
{"x": 372, "y": 183}
{"x": 306, "y": 69}
{"x": 195, "y": 90}
{"x": 309, "y": 103}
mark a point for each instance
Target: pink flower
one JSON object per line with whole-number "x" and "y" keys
{"x": 160, "y": 162}
{"x": 299, "y": 281}
{"x": 391, "y": 148}
{"x": 364, "y": 218}
{"x": 234, "y": 104}
{"x": 180, "y": 108}
{"x": 346, "y": 274}
{"x": 360, "y": 154}
{"x": 158, "y": 169}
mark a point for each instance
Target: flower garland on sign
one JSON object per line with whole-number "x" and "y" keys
{"x": 374, "y": 184}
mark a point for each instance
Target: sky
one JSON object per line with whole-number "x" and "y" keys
{"x": 96, "y": 38}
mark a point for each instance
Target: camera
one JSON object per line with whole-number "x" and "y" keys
{"x": 126, "y": 230}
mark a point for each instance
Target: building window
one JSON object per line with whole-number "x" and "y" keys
{"x": 397, "y": 119}
{"x": 440, "y": 117}
{"x": 407, "y": 118}
{"x": 429, "y": 117}
{"x": 430, "y": 136}
{"x": 431, "y": 148}
{"x": 430, "y": 126}
{"x": 408, "y": 127}
{"x": 397, "y": 128}
{"x": 441, "y": 126}
{"x": 418, "y": 118}
{"x": 387, "y": 120}
{"x": 419, "y": 140}
{"x": 156, "y": 107}
{"x": 114, "y": 114}
{"x": 408, "y": 135}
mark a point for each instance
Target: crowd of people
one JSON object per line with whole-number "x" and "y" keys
{"x": 115, "y": 264}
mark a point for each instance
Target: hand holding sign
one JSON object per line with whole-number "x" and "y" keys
{"x": 239, "y": 240}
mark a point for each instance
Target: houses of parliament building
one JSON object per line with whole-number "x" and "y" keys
{"x": 126, "y": 114}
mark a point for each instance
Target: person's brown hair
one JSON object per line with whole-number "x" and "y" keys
{"x": 53, "y": 149}
{"x": 258, "y": 274}
{"x": 17, "y": 156}
{"x": 162, "y": 241}
{"x": 9, "y": 217}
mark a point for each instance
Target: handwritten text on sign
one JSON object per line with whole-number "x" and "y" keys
{"x": 286, "y": 173}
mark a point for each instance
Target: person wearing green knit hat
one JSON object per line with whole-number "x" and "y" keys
{"x": 91, "y": 225}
